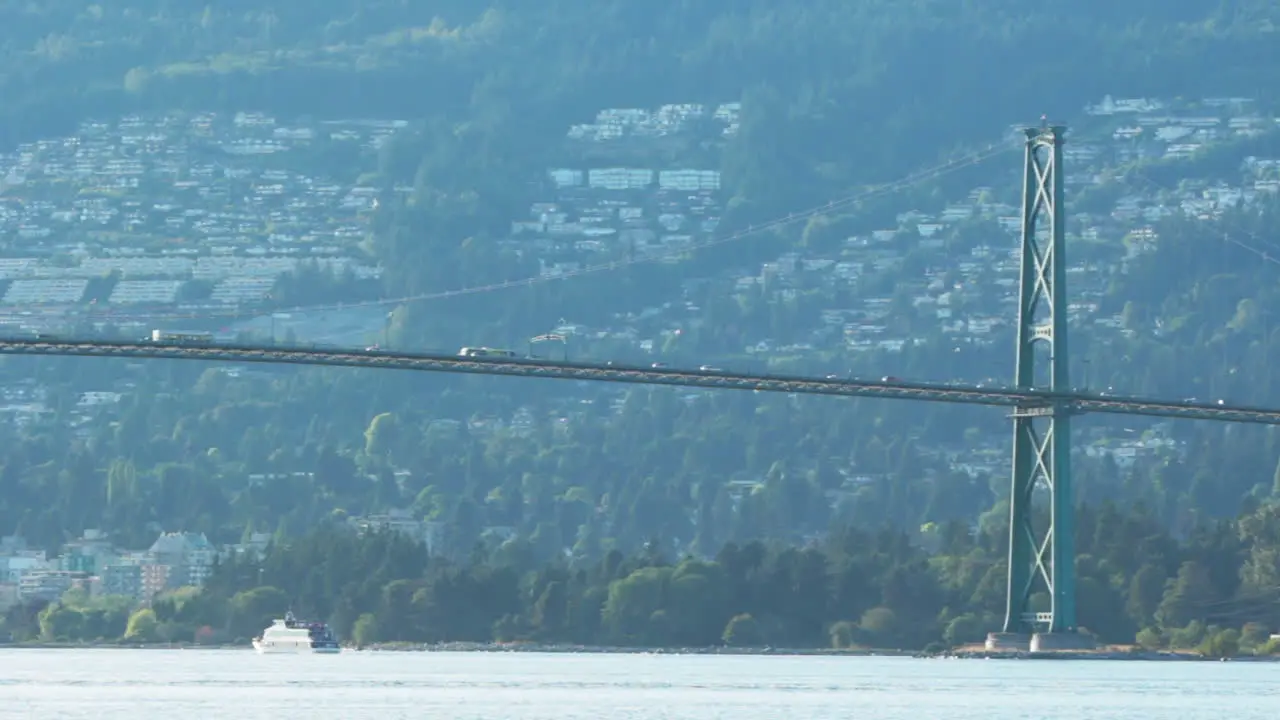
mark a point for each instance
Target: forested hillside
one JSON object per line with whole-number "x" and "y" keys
{"x": 844, "y": 70}
{"x": 835, "y": 97}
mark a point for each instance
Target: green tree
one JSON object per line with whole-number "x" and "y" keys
{"x": 632, "y": 602}
{"x": 550, "y": 609}
{"x": 61, "y": 622}
{"x": 381, "y": 437}
{"x": 142, "y": 626}
{"x": 122, "y": 482}
{"x": 365, "y": 631}
{"x": 743, "y": 631}
{"x": 964, "y": 629}
{"x": 1150, "y": 639}
{"x": 1145, "y": 592}
{"x": 251, "y": 611}
{"x": 1224, "y": 643}
{"x": 879, "y": 627}
{"x": 1188, "y": 597}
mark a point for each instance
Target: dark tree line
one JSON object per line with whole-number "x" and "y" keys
{"x": 1215, "y": 592}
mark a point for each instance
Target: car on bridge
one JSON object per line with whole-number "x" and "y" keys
{"x": 479, "y": 352}
{"x": 185, "y": 337}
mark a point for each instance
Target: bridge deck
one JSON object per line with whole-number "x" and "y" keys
{"x": 1022, "y": 400}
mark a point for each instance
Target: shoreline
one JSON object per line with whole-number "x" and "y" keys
{"x": 959, "y": 654}
{"x": 625, "y": 650}
{"x": 1081, "y": 655}
{"x": 480, "y": 648}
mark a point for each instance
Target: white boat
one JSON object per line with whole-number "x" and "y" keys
{"x": 290, "y": 635}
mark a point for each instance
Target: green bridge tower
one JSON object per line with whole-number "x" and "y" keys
{"x": 1041, "y": 610}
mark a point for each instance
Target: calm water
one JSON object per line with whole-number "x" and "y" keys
{"x": 110, "y": 684}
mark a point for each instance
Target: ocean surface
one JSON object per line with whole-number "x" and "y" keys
{"x": 240, "y": 685}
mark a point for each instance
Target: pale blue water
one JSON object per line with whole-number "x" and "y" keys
{"x": 111, "y": 684}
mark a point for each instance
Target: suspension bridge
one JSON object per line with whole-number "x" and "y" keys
{"x": 1010, "y": 397}
{"x": 1041, "y": 544}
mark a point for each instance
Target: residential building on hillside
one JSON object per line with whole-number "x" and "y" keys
{"x": 47, "y": 585}
{"x": 188, "y": 558}
{"x": 121, "y": 579}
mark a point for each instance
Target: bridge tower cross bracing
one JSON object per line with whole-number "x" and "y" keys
{"x": 1042, "y": 550}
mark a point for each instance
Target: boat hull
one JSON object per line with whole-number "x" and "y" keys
{"x": 279, "y": 648}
